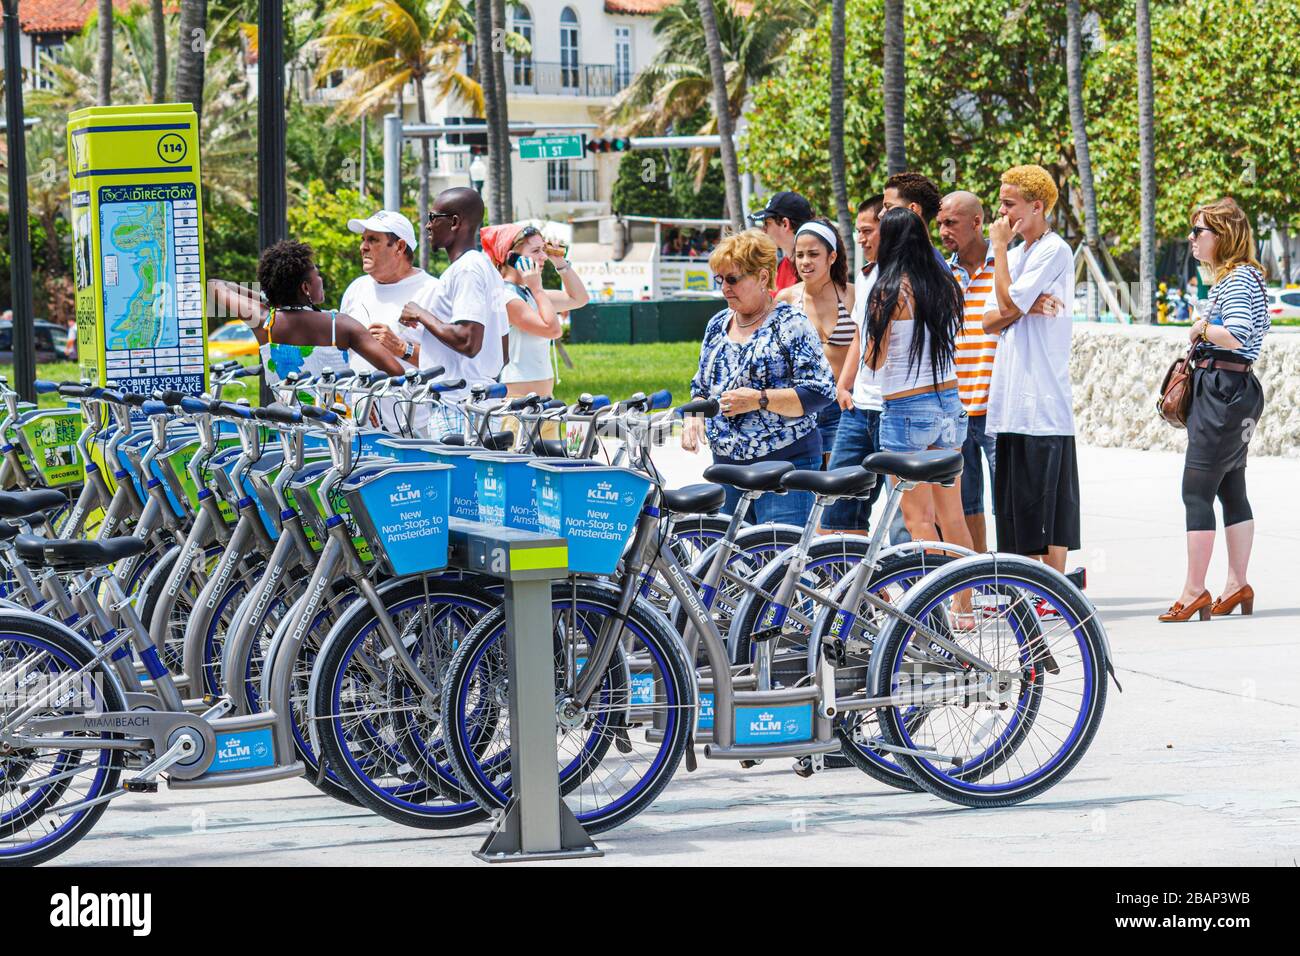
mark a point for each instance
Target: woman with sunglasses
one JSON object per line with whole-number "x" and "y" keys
{"x": 519, "y": 253}
{"x": 824, "y": 296}
{"x": 1225, "y": 407}
{"x": 763, "y": 362}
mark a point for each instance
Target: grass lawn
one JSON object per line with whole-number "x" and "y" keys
{"x": 620, "y": 370}
{"x": 613, "y": 370}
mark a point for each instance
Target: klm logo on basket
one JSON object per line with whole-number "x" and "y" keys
{"x": 490, "y": 485}
{"x": 244, "y": 751}
{"x": 603, "y": 492}
{"x": 548, "y": 495}
{"x": 404, "y": 493}
{"x": 756, "y": 725}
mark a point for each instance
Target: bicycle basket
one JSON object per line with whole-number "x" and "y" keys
{"x": 402, "y": 511}
{"x": 594, "y": 507}
{"x": 506, "y": 490}
{"x": 304, "y": 493}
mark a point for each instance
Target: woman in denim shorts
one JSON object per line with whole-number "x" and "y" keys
{"x": 912, "y": 318}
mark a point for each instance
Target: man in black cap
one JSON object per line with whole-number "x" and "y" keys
{"x": 784, "y": 214}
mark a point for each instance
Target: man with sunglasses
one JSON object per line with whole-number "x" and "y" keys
{"x": 463, "y": 324}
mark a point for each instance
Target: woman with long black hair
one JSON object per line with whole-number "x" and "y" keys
{"x": 913, "y": 313}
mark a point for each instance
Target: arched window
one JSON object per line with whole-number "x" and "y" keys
{"x": 522, "y": 23}
{"x": 569, "y": 63}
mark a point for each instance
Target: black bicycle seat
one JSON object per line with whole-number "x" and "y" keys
{"x": 701, "y": 499}
{"x": 74, "y": 555}
{"x": 847, "y": 482}
{"x": 550, "y": 448}
{"x": 20, "y": 504}
{"x": 760, "y": 476}
{"x": 935, "y": 465}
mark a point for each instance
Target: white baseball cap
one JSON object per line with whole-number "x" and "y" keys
{"x": 386, "y": 221}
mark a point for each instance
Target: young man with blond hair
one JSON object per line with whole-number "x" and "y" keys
{"x": 1036, "y": 485}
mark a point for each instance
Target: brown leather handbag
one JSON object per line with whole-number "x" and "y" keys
{"x": 1176, "y": 391}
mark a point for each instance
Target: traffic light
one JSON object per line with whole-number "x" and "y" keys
{"x": 618, "y": 144}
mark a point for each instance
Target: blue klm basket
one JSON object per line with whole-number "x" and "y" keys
{"x": 464, "y": 480}
{"x": 594, "y": 507}
{"x": 506, "y": 490}
{"x": 402, "y": 512}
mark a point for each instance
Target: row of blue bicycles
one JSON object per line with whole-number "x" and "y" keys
{"x": 230, "y": 595}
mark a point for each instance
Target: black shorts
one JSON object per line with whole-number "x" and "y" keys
{"x": 1036, "y": 493}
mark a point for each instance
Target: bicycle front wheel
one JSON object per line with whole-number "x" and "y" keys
{"x": 617, "y": 751}
{"x": 997, "y": 735}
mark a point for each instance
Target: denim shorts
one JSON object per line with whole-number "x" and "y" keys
{"x": 927, "y": 420}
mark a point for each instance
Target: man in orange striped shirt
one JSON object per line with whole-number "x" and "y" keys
{"x": 961, "y": 230}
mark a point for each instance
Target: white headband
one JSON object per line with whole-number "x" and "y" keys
{"x": 822, "y": 231}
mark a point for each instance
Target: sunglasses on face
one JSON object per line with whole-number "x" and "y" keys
{"x": 435, "y": 216}
{"x": 733, "y": 279}
{"x": 1197, "y": 230}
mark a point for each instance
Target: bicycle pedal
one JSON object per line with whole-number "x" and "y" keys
{"x": 140, "y": 786}
{"x": 804, "y": 767}
{"x": 621, "y": 740}
{"x": 767, "y": 634}
{"x": 691, "y": 763}
{"x": 749, "y": 764}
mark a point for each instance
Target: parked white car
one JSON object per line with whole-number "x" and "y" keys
{"x": 1284, "y": 303}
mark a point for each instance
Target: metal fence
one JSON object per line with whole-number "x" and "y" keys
{"x": 573, "y": 79}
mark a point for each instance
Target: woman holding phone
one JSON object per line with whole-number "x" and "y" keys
{"x": 519, "y": 253}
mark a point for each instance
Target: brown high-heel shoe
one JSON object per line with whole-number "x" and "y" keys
{"x": 1178, "y": 613}
{"x": 1245, "y": 596}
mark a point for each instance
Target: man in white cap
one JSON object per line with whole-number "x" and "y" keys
{"x": 376, "y": 299}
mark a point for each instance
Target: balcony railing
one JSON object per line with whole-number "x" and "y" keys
{"x": 582, "y": 188}
{"x": 581, "y": 79}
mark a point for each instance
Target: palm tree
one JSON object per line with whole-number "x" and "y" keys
{"x": 501, "y": 116}
{"x": 1078, "y": 122}
{"x": 1146, "y": 162}
{"x": 722, "y": 108}
{"x": 159, "y": 27}
{"x": 677, "y": 84}
{"x": 105, "y": 65}
{"x": 838, "y": 179}
{"x": 894, "y": 82}
{"x": 485, "y": 67}
{"x": 386, "y": 44}
{"x": 191, "y": 54}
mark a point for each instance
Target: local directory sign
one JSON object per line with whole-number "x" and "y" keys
{"x": 137, "y": 226}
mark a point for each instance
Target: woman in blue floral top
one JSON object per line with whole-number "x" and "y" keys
{"x": 764, "y": 363}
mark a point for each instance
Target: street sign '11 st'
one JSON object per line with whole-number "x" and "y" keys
{"x": 550, "y": 147}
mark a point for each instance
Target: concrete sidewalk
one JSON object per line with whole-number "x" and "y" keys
{"x": 1196, "y": 762}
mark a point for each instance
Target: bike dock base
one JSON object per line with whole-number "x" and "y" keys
{"x": 536, "y": 823}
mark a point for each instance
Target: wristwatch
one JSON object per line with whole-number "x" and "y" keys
{"x": 762, "y": 399}
{"x": 408, "y": 351}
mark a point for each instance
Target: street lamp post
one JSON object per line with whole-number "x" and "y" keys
{"x": 478, "y": 174}
{"x": 20, "y": 250}
{"x": 272, "y": 201}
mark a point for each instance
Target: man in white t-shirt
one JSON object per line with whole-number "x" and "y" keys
{"x": 376, "y": 299}
{"x": 856, "y": 391}
{"x": 1036, "y": 487}
{"x": 463, "y": 323}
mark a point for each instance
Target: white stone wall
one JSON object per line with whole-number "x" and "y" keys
{"x": 1116, "y": 371}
